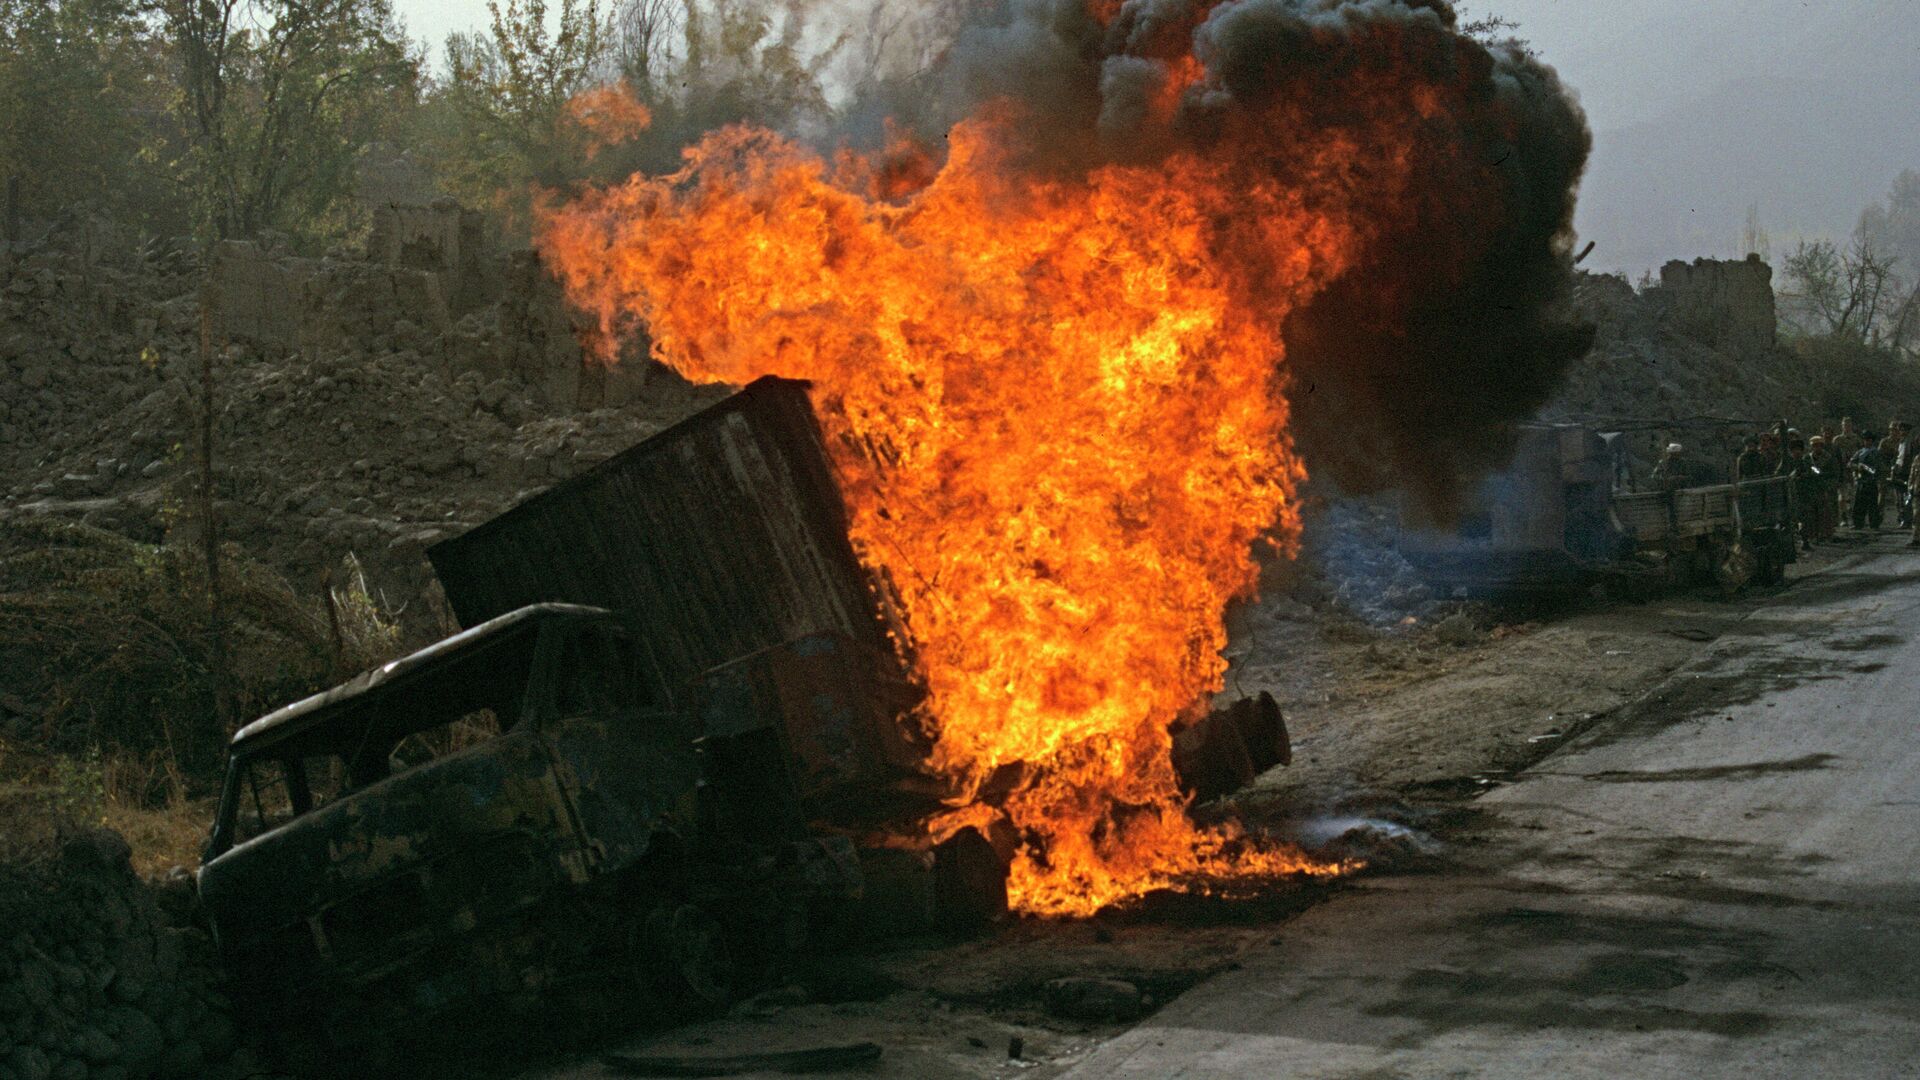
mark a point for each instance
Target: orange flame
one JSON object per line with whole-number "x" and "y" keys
{"x": 1054, "y": 401}
{"x": 606, "y": 115}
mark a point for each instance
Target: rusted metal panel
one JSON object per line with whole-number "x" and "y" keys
{"x": 723, "y": 535}
{"x": 1659, "y": 515}
{"x": 847, "y": 726}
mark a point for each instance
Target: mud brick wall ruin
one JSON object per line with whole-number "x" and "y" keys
{"x": 1722, "y": 302}
{"x": 431, "y": 280}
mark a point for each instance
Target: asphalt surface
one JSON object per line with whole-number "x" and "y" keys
{"x": 1722, "y": 880}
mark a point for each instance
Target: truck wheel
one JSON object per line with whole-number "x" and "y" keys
{"x": 689, "y": 956}
{"x": 1772, "y": 568}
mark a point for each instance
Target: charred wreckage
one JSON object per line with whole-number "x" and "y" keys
{"x": 679, "y": 735}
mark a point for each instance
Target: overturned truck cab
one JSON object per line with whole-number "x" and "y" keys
{"x": 679, "y": 701}
{"x": 519, "y": 804}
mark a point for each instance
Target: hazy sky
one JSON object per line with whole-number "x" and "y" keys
{"x": 1802, "y": 109}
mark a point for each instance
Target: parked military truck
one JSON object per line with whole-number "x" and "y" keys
{"x": 679, "y": 698}
{"x": 1564, "y": 515}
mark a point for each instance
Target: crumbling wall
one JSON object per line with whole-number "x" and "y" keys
{"x": 536, "y": 339}
{"x": 453, "y": 243}
{"x": 97, "y": 983}
{"x": 431, "y": 282}
{"x": 283, "y": 304}
{"x": 1723, "y": 303}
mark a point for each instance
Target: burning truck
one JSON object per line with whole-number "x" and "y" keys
{"x": 682, "y": 729}
{"x": 1068, "y": 345}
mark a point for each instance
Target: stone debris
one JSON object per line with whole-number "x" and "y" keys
{"x": 359, "y": 409}
{"x": 1094, "y": 1000}
{"x": 97, "y": 983}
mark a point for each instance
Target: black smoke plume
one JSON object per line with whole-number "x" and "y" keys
{"x": 1412, "y": 369}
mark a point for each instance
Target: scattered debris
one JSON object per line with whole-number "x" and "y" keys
{"x": 1459, "y": 629}
{"x": 1229, "y": 747}
{"x": 814, "y": 1060}
{"x": 1096, "y": 1001}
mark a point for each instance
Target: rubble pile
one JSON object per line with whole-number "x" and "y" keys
{"x": 355, "y": 413}
{"x": 97, "y": 982}
{"x": 1701, "y": 343}
{"x": 81, "y": 320}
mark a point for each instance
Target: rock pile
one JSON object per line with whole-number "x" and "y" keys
{"x": 1701, "y": 345}
{"x": 97, "y": 984}
{"x": 380, "y": 427}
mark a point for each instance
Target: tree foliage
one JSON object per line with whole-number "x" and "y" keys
{"x": 81, "y": 95}
{"x": 498, "y": 128}
{"x": 280, "y": 98}
{"x": 1868, "y": 290}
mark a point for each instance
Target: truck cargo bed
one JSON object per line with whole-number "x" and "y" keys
{"x": 725, "y": 534}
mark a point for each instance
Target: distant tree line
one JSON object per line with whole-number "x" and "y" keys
{"x": 1864, "y": 292}
{"x": 237, "y": 118}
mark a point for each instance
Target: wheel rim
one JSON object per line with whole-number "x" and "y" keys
{"x": 699, "y": 955}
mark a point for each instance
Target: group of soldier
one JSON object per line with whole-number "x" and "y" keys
{"x": 1859, "y": 477}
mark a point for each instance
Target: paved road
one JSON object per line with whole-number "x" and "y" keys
{"x": 1721, "y": 882}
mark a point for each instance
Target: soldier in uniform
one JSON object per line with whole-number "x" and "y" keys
{"x": 1844, "y": 446}
{"x": 1750, "y": 465}
{"x": 1868, "y": 466}
{"x": 1772, "y": 453}
{"x": 1913, "y": 478}
{"x": 1670, "y": 472}
{"x": 1893, "y": 478}
{"x": 1900, "y": 465}
{"x": 1799, "y": 468}
{"x": 1827, "y": 495}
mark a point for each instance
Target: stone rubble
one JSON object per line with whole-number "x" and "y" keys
{"x": 354, "y": 412}
{"x": 97, "y": 982}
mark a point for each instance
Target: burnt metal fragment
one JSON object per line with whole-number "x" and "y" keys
{"x": 1229, "y": 747}
{"x": 813, "y": 1060}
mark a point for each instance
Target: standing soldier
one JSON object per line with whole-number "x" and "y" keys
{"x": 1893, "y": 481}
{"x": 1913, "y": 478}
{"x": 1901, "y": 467}
{"x": 1828, "y": 493}
{"x": 1844, "y": 446}
{"x": 1868, "y": 467}
{"x": 1806, "y": 490}
{"x": 1670, "y": 472}
{"x": 1749, "y": 465}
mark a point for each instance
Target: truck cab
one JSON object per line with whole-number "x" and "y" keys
{"x": 403, "y": 841}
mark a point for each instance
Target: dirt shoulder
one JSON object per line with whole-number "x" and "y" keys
{"x": 1401, "y": 724}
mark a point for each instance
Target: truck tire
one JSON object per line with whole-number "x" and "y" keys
{"x": 688, "y": 956}
{"x": 1772, "y": 555}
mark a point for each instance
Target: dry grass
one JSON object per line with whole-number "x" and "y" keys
{"x": 107, "y": 642}
{"x": 45, "y": 795}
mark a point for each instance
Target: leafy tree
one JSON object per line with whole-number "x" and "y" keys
{"x": 501, "y": 126}
{"x": 81, "y": 92}
{"x": 280, "y": 98}
{"x": 498, "y": 124}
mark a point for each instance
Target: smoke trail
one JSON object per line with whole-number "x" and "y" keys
{"x": 1411, "y": 369}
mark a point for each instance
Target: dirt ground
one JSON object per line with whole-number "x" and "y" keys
{"x": 1395, "y": 729}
